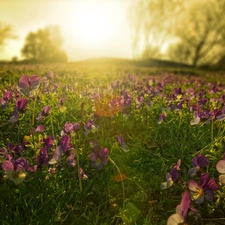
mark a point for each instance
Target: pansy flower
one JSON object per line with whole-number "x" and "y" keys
{"x": 6, "y": 98}
{"x": 20, "y": 106}
{"x": 60, "y": 150}
{"x": 204, "y": 189}
{"x": 44, "y": 112}
{"x": 171, "y": 177}
{"x": 198, "y": 162}
{"x": 99, "y": 158}
{"x": 181, "y": 210}
{"x": 27, "y": 84}
{"x": 15, "y": 170}
{"x": 90, "y": 126}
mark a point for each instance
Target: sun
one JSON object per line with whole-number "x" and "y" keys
{"x": 92, "y": 23}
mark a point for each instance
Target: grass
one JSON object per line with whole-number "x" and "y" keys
{"x": 152, "y": 148}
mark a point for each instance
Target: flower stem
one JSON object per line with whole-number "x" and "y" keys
{"x": 34, "y": 105}
{"x": 78, "y": 170}
{"x": 122, "y": 183}
{"x": 212, "y": 134}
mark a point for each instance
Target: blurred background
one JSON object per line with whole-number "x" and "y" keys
{"x": 190, "y": 32}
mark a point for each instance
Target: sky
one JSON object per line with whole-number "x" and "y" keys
{"x": 90, "y": 28}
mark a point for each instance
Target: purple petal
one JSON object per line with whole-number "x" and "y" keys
{"x": 40, "y": 128}
{"x": 93, "y": 157}
{"x": 34, "y": 82}
{"x": 209, "y": 195}
{"x": 174, "y": 174}
{"x": 203, "y": 180}
{"x": 65, "y": 142}
{"x": 212, "y": 185}
{"x": 70, "y": 160}
{"x": 7, "y": 165}
{"x": 68, "y": 127}
{"x": 23, "y": 83}
{"x": 220, "y": 166}
{"x": 21, "y": 103}
{"x": 202, "y": 161}
{"x": 104, "y": 152}
{"x": 185, "y": 203}
{"x": 21, "y": 163}
{"x": 46, "y": 109}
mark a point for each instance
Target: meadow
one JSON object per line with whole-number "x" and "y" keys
{"x": 93, "y": 144}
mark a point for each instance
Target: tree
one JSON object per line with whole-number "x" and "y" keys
{"x": 151, "y": 22}
{"x": 44, "y": 46}
{"x": 194, "y": 30}
{"x": 200, "y": 31}
{"x": 5, "y": 33}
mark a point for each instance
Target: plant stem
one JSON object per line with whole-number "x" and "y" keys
{"x": 212, "y": 127}
{"x": 121, "y": 180}
{"x": 78, "y": 170}
{"x": 52, "y": 125}
{"x": 34, "y": 105}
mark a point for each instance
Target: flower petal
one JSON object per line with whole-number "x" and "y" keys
{"x": 175, "y": 219}
{"x": 193, "y": 186}
{"x": 209, "y": 195}
{"x": 220, "y": 166}
{"x": 222, "y": 178}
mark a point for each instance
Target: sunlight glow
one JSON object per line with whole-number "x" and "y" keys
{"x": 92, "y": 23}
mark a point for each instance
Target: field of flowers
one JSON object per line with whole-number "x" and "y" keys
{"x": 92, "y": 145}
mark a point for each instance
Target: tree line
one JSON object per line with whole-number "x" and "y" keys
{"x": 193, "y": 30}
{"x": 42, "y": 46}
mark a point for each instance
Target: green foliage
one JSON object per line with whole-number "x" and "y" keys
{"x": 152, "y": 148}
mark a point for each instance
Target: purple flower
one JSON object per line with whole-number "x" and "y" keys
{"x": 181, "y": 210}
{"x": 203, "y": 190}
{"x": 70, "y": 160}
{"x": 220, "y": 166}
{"x": 60, "y": 150}
{"x": 90, "y": 127}
{"x": 221, "y": 115}
{"x": 99, "y": 158}
{"x": 171, "y": 177}
{"x": 44, "y": 112}
{"x": 6, "y": 98}
{"x": 198, "y": 162}
{"x": 27, "y": 84}
{"x": 42, "y": 157}
{"x": 20, "y": 105}
{"x": 162, "y": 118}
{"x": 70, "y": 128}
{"x": 15, "y": 170}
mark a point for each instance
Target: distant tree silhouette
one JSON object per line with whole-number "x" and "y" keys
{"x": 5, "y": 33}
{"x": 194, "y": 30}
{"x": 44, "y": 46}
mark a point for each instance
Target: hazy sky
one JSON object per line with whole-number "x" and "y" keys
{"x": 90, "y": 28}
